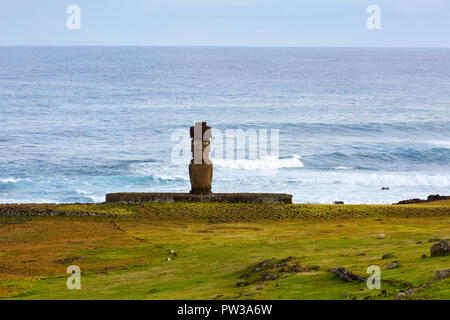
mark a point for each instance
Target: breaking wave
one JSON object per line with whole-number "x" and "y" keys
{"x": 371, "y": 179}
{"x": 268, "y": 163}
{"x": 10, "y": 180}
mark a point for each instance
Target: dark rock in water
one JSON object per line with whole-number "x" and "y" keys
{"x": 442, "y": 274}
{"x": 387, "y": 256}
{"x": 346, "y": 275}
{"x": 338, "y": 202}
{"x": 384, "y": 188}
{"x": 392, "y": 265}
{"x": 440, "y": 249}
{"x": 430, "y": 198}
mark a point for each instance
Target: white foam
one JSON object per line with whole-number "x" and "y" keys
{"x": 166, "y": 177}
{"x": 149, "y": 169}
{"x": 10, "y": 180}
{"x": 387, "y": 179}
{"x": 267, "y": 163}
{"x": 438, "y": 143}
{"x": 97, "y": 199}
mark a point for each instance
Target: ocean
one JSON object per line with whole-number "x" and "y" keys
{"x": 79, "y": 122}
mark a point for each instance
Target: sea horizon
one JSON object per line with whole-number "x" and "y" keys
{"x": 222, "y": 46}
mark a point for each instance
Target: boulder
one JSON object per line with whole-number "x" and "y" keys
{"x": 392, "y": 265}
{"x": 242, "y": 284}
{"x": 440, "y": 249}
{"x": 346, "y": 275}
{"x": 403, "y": 295}
{"x": 442, "y": 274}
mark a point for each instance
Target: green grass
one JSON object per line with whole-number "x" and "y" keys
{"x": 215, "y": 244}
{"x": 228, "y": 212}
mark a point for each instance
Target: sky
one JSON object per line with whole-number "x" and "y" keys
{"x": 404, "y": 23}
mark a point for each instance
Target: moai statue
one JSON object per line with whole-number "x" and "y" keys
{"x": 200, "y": 168}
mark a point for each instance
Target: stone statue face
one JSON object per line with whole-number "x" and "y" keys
{"x": 200, "y": 150}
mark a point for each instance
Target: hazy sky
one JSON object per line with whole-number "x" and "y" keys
{"x": 412, "y": 23}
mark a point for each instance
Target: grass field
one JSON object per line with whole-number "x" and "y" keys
{"x": 216, "y": 251}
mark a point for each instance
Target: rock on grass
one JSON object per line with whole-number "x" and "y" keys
{"x": 404, "y": 295}
{"x": 440, "y": 249}
{"x": 392, "y": 265}
{"x": 346, "y": 275}
{"x": 443, "y": 274}
{"x": 387, "y": 256}
{"x": 273, "y": 269}
{"x": 68, "y": 260}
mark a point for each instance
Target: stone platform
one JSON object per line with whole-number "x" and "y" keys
{"x": 134, "y": 197}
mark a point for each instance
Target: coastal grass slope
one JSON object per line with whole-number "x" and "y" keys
{"x": 221, "y": 251}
